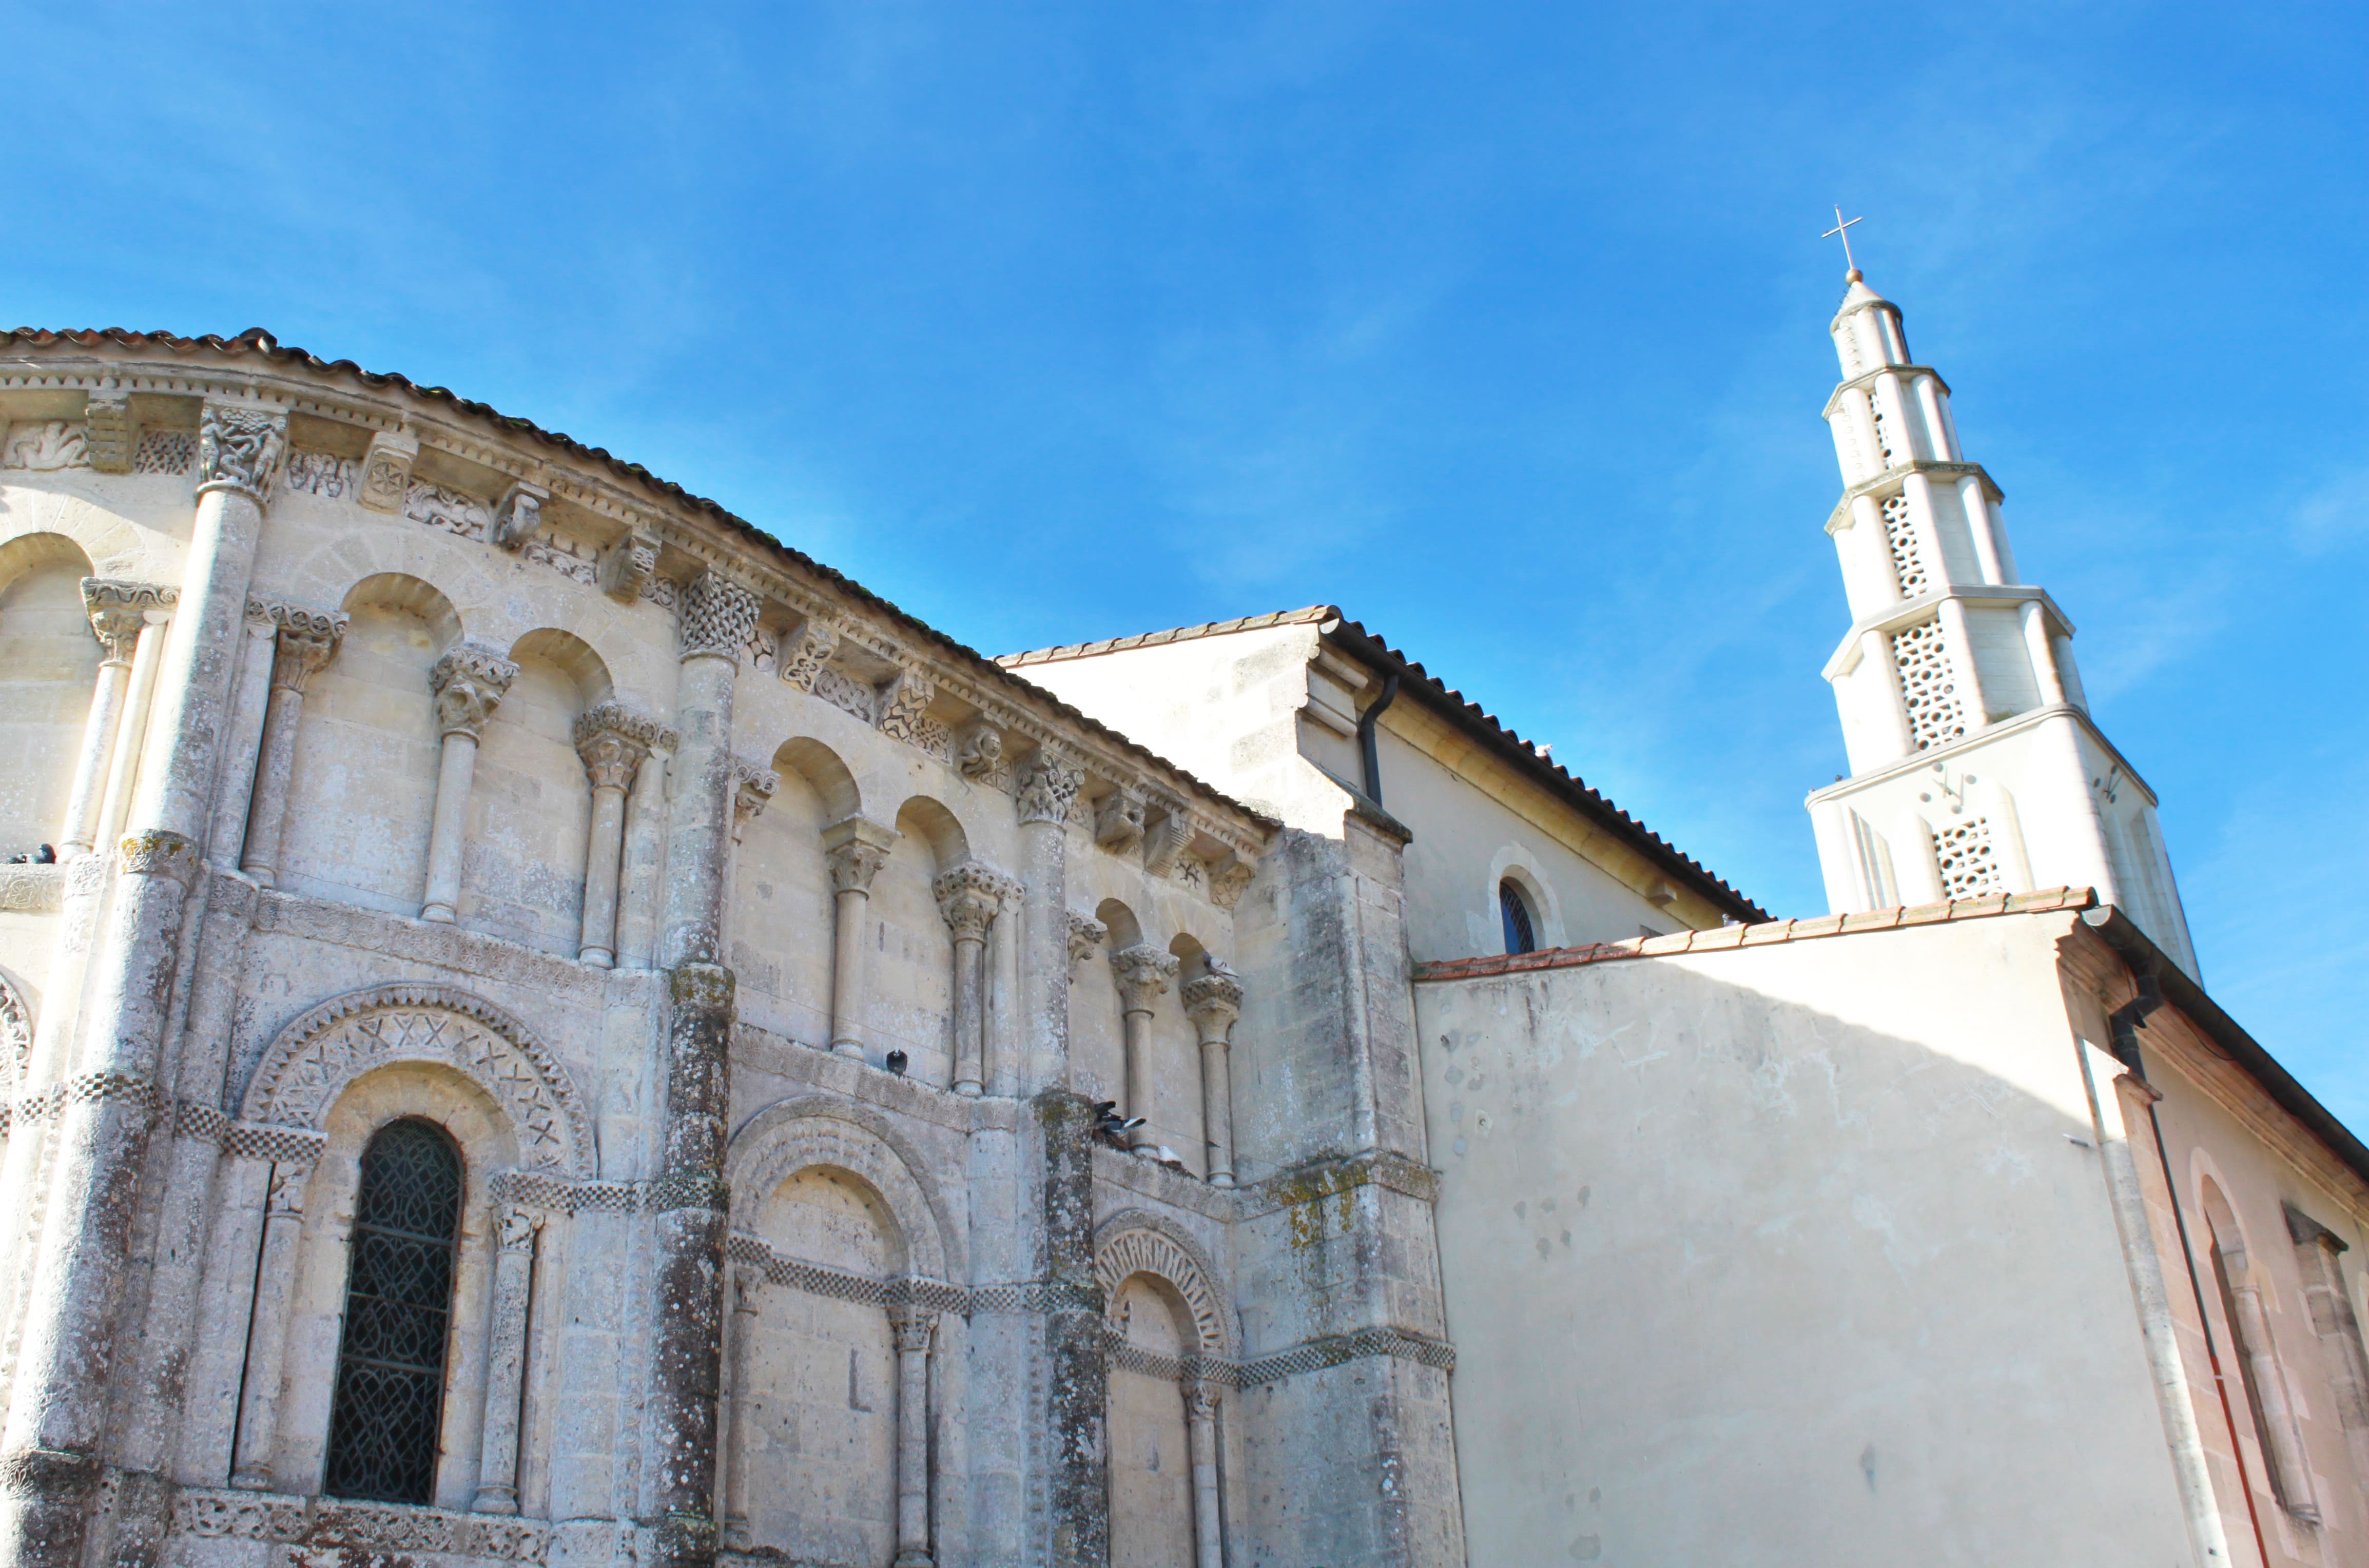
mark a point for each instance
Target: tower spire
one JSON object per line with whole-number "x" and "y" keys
{"x": 1976, "y": 766}
{"x": 1842, "y": 231}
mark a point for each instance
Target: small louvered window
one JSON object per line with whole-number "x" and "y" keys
{"x": 384, "y": 1420}
{"x": 1520, "y": 934}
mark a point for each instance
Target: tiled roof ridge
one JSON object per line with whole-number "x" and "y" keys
{"x": 1173, "y": 635}
{"x": 255, "y": 340}
{"x": 1761, "y": 934}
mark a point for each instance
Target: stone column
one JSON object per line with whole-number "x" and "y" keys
{"x": 612, "y": 754}
{"x": 117, "y": 626}
{"x": 737, "y": 1411}
{"x": 913, "y": 1329}
{"x": 1213, "y": 1000}
{"x": 469, "y": 683}
{"x": 855, "y": 850}
{"x": 506, "y": 1362}
{"x": 250, "y": 702}
{"x": 1048, "y": 782}
{"x": 688, "y": 1200}
{"x": 968, "y": 897}
{"x": 267, "y": 1330}
{"x": 637, "y": 890}
{"x": 132, "y": 733}
{"x": 1201, "y": 1430}
{"x": 302, "y": 650}
{"x": 49, "y": 1454}
{"x": 1142, "y": 972}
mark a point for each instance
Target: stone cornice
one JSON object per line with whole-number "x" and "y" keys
{"x": 1894, "y": 479}
{"x": 1863, "y": 381}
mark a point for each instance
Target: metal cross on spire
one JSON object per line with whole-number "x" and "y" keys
{"x": 1842, "y": 231}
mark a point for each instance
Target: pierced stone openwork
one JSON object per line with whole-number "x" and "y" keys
{"x": 1936, "y": 716}
{"x": 314, "y": 1058}
{"x": 388, "y": 1409}
{"x": 1882, "y": 428}
{"x": 1902, "y": 537}
{"x": 1969, "y": 866}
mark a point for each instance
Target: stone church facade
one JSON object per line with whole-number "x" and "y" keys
{"x": 548, "y": 1026}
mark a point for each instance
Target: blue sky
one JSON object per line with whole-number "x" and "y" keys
{"x": 1502, "y": 326}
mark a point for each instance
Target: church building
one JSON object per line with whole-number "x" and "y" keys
{"x": 546, "y": 1027}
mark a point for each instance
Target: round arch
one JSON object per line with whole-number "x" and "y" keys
{"x": 1133, "y": 1242}
{"x": 824, "y": 773}
{"x": 929, "y": 819}
{"x": 816, "y": 1130}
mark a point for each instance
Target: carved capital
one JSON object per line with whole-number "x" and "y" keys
{"x": 1118, "y": 820}
{"x": 1048, "y": 782}
{"x": 753, "y": 787}
{"x": 156, "y": 853}
{"x": 119, "y": 609}
{"x": 611, "y": 741}
{"x": 1213, "y": 1000}
{"x": 718, "y": 616}
{"x": 1164, "y": 841}
{"x": 1142, "y": 972}
{"x": 386, "y": 469}
{"x": 1200, "y": 1401}
{"x": 240, "y": 448}
{"x": 627, "y": 565}
{"x": 108, "y": 433}
{"x": 1086, "y": 934}
{"x": 519, "y": 1226}
{"x": 970, "y": 895}
{"x": 469, "y": 683}
{"x": 978, "y": 749}
{"x": 286, "y": 1193}
{"x": 855, "y": 850}
{"x": 805, "y": 651}
{"x": 913, "y": 1329}
{"x": 518, "y": 516}
{"x": 302, "y": 650}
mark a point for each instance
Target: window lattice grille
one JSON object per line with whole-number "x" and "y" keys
{"x": 1936, "y": 716}
{"x": 1520, "y": 937}
{"x": 1898, "y": 533}
{"x": 389, "y": 1403}
{"x": 1969, "y": 867}
{"x": 1883, "y": 427}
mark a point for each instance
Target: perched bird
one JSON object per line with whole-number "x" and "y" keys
{"x": 896, "y": 1060}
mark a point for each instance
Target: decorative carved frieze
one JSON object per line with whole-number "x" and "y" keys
{"x": 240, "y": 448}
{"x": 1048, "y": 784}
{"x": 448, "y": 509}
{"x": 386, "y": 470}
{"x": 904, "y": 699}
{"x": 45, "y": 446}
{"x": 627, "y": 565}
{"x": 978, "y": 749}
{"x": 1118, "y": 820}
{"x": 716, "y": 616}
{"x": 469, "y": 683}
{"x": 845, "y": 692}
{"x": 518, "y": 516}
{"x": 804, "y": 652}
{"x": 109, "y": 435}
{"x": 320, "y": 473}
{"x": 1086, "y": 934}
{"x": 164, "y": 452}
{"x": 1142, "y": 972}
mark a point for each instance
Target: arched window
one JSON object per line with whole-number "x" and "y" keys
{"x": 1521, "y": 936}
{"x": 389, "y": 1407}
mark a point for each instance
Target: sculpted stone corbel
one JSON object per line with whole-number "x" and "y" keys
{"x": 386, "y": 469}
{"x": 109, "y": 434}
{"x": 518, "y": 516}
{"x": 240, "y": 448}
{"x": 753, "y": 785}
{"x": 1164, "y": 843}
{"x": 1118, "y": 820}
{"x": 1230, "y": 875}
{"x": 805, "y": 651}
{"x": 978, "y": 749}
{"x": 469, "y": 683}
{"x": 627, "y": 565}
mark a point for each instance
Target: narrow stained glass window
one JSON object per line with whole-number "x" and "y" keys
{"x": 1520, "y": 936}
{"x": 389, "y": 1403}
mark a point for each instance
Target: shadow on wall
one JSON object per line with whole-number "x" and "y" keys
{"x": 1734, "y": 1280}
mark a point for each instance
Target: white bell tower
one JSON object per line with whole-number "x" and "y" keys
{"x": 1976, "y": 767}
